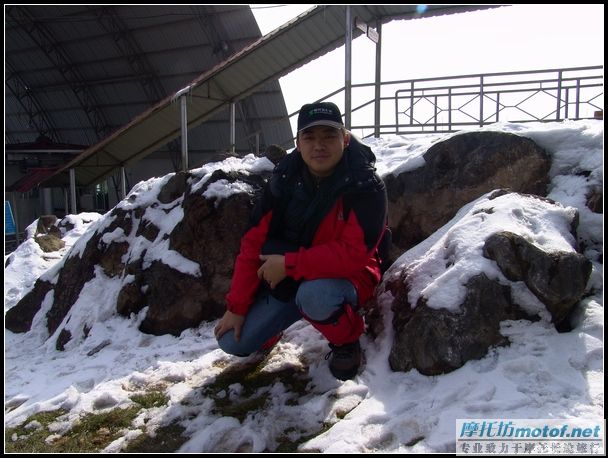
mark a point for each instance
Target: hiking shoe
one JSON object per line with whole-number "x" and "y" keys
{"x": 345, "y": 360}
{"x": 271, "y": 342}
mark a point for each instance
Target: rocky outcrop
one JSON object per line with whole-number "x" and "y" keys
{"x": 48, "y": 235}
{"x": 208, "y": 235}
{"x": 78, "y": 270}
{"x": 19, "y": 319}
{"x": 436, "y": 341}
{"x": 557, "y": 279}
{"x": 440, "y": 339}
{"x": 457, "y": 171}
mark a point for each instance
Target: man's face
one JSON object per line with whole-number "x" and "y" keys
{"x": 322, "y": 148}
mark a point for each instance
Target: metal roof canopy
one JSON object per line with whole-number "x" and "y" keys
{"x": 307, "y": 37}
{"x": 77, "y": 73}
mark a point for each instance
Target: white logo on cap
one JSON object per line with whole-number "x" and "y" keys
{"x": 321, "y": 110}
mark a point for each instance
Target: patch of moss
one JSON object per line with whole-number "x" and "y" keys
{"x": 240, "y": 409}
{"x": 29, "y": 440}
{"x": 151, "y": 399}
{"x": 92, "y": 433}
{"x": 252, "y": 376}
{"x": 286, "y": 445}
{"x": 166, "y": 439}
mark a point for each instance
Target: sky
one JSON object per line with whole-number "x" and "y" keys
{"x": 543, "y": 374}
{"x": 513, "y": 38}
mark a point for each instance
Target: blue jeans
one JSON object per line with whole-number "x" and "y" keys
{"x": 267, "y": 316}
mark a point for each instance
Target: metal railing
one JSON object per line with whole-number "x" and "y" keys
{"x": 452, "y": 103}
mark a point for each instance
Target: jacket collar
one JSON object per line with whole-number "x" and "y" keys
{"x": 356, "y": 166}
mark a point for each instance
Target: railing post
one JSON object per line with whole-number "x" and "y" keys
{"x": 497, "y": 105}
{"x": 183, "y": 118}
{"x": 397, "y": 112}
{"x": 559, "y": 96}
{"x": 435, "y": 115}
{"x": 66, "y": 201}
{"x": 411, "y": 103}
{"x": 450, "y": 108}
{"x": 347, "y": 67}
{"x": 578, "y": 97}
{"x": 123, "y": 182}
{"x": 481, "y": 95}
{"x": 378, "y": 80}
{"x": 73, "y": 190}
{"x": 184, "y": 131}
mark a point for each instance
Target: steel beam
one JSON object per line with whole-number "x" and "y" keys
{"x": 37, "y": 115}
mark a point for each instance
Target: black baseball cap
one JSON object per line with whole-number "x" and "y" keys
{"x": 319, "y": 114}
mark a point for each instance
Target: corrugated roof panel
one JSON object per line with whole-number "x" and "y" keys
{"x": 95, "y": 40}
{"x": 264, "y": 103}
{"x": 21, "y": 43}
{"x": 275, "y": 131}
{"x": 237, "y": 24}
{"x": 118, "y": 111}
{"x": 96, "y": 49}
{"x": 171, "y": 37}
{"x": 160, "y": 122}
{"x": 29, "y": 60}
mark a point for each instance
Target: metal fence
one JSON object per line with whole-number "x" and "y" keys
{"x": 452, "y": 103}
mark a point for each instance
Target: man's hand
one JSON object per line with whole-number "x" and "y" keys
{"x": 229, "y": 321}
{"x": 272, "y": 269}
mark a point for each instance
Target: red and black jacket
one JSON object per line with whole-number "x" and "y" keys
{"x": 334, "y": 227}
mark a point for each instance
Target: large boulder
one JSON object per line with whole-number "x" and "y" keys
{"x": 206, "y": 238}
{"x": 457, "y": 171}
{"x": 436, "y": 341}
{"x": 522, "y": 273}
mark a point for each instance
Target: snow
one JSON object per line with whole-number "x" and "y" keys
{"x": 440, "y": 271}
{"x": 542, "y": 374}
